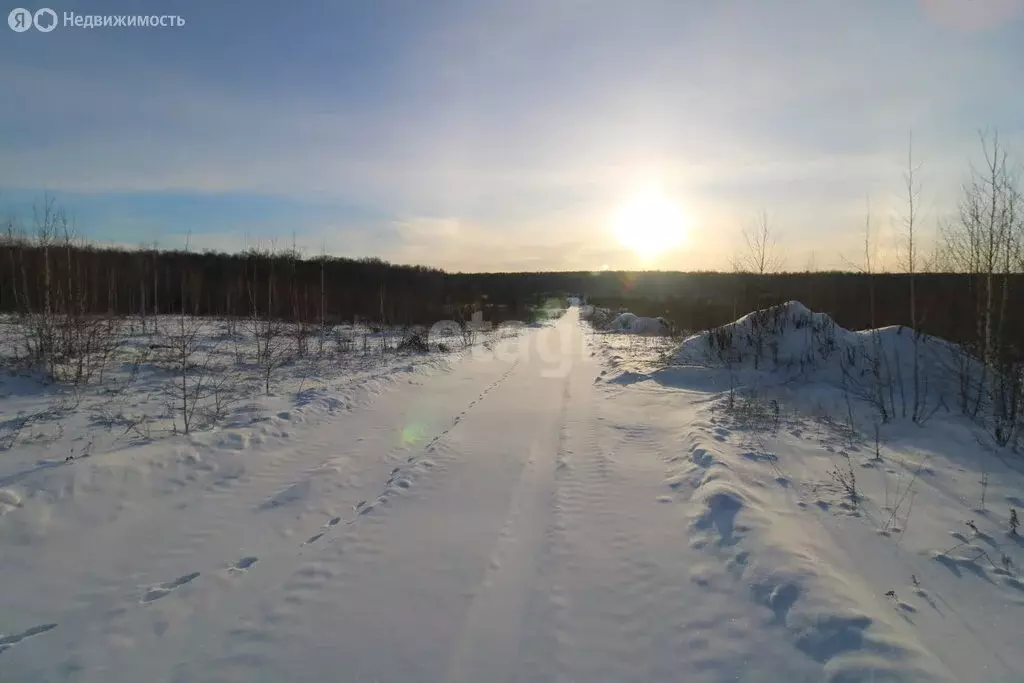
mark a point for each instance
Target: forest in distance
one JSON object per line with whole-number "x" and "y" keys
{"x": 59, "y": 273}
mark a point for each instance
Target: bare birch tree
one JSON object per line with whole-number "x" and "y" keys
{"x": 986, "y": 241}
{"x": 760, "y": 249}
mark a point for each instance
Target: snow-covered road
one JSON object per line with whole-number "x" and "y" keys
{"x": 492, "y": 523}
{"x": 514, "y": 519}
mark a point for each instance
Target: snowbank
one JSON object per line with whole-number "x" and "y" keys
{"x": 651, "y": 326}
{"x": 628, "y": 323}
{"x": 789, "y": 342}
{"x": 795, "y": 568}
{"x": 624, "y": 322}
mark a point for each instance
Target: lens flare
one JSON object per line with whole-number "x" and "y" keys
{"x": 414, "y": 433}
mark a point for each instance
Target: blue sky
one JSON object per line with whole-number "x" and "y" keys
{"x": 477, "y": 135}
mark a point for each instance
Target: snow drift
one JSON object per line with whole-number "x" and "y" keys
{"x": 624, "y": 322}
{"x": 628, "y": 323}
{"x": 889, "y": 366}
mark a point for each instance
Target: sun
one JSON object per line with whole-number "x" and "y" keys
{"x": 650, "y": 224}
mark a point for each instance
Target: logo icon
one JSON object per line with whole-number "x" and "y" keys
{"x": 20, "y": 19}
{"x": 45, "y": 20}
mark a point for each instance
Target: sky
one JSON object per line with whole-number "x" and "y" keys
{"x": 476, "y": 135}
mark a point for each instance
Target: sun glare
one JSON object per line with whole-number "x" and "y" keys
{"x": 650, "y": 224}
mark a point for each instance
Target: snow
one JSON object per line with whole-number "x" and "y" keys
{"x": 555, "y": 505}
{"x": 627, "y": 322}
{"x": 791, "y": 345}
{"x": 914, "y": 579}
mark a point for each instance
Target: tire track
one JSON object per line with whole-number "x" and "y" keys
{"x": 538, "y": 630}
{"x": 591, "y": 539}
{"x": 493, "y": 631}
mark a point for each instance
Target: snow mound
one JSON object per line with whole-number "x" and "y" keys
{"x": 628, "y": 323}
{"x": 782, "y": 336}
{"x": 791, "y": 342}
{"x": 624, "y": 322}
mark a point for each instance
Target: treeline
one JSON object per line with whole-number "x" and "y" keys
{"x": 48, "y": 271}
{"x": 39, "y": 274}
{"x": 59, "y": 277}
{"x": 45, "y": 269}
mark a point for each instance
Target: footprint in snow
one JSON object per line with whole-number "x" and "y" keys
{"x": 333, "y": 521}
{"x": 164, "y": 589}
{"x": 702, "y": 458}
{"x": 243, "y": 564}
{"x": 7, "y": 642}
{"x": 364, "y": 507}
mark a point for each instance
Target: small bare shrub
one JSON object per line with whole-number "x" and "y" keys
{"x": 847, "y": 479}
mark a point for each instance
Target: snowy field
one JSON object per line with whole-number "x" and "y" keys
{"x": 555, "y": 505}
{"x": 127, "y": 424}
{"x": 882, "y": 548}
